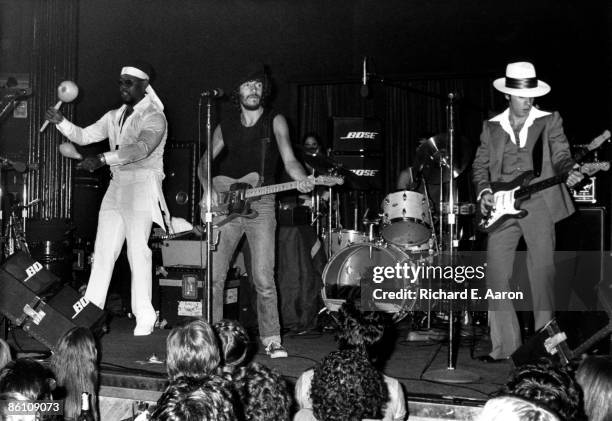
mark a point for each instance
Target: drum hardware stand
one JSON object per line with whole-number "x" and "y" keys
{"x": 451, "y": 374}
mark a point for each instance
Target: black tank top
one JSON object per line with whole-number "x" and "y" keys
{"x": 244, "y": 147}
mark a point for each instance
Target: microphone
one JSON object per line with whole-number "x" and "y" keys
{"x": 364, "y": 78}
{"x": 213, "y": 93}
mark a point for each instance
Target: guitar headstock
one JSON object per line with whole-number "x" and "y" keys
{"x": 598, "y": 141}
{"x": 329, "y": 180}
{"x": 592, "y": 167}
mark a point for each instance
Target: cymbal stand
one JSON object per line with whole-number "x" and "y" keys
{"x": 451, "y": 374}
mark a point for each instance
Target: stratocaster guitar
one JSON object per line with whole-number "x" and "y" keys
{"x": 235, "y": 195}
{"x": 509, "y": 196}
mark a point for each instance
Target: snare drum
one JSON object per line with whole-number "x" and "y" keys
{"x": 344, "y": 238}
{"x": 353, "y": 266}
{"x": 406, "y": 219}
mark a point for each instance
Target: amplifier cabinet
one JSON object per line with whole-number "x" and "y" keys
{"x": 184, "y": 253}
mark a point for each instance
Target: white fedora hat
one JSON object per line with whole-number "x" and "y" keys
{"x": 521, "y": 80}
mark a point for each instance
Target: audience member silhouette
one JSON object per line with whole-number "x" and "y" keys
{"x": 75, "y": 364}
{"x": 594, "y": 375}
{"x": 192, "y": 351}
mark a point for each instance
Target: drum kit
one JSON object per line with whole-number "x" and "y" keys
{"x": 403, "y": 232}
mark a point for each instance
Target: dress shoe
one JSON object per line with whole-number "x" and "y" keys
{"x": 490, "y": 360}
{"x": 145, "y": 325}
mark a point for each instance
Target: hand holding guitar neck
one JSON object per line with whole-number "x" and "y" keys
{"x": 67, "y": 91}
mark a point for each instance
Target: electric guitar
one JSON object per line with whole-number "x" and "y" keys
{"x": 235, "y": 195}
{"x": 509, "y": 196}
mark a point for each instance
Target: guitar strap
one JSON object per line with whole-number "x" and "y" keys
{"x": 537, "y": 154}
{"x": 265, "y": 142}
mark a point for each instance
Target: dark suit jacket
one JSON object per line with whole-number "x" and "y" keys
{"x": 556, "y": 158}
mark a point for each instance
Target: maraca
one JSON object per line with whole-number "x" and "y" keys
{"x": 68, "y": 150}
{"x": 67, "y": 91}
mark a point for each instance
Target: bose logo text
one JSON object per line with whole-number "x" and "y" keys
{"x": 79, "y": 306}
{"x": 34, "y": 269}
{"x": 360, "y": 135}
{"x": 365, "y": 173}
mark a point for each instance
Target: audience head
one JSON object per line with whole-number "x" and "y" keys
{"x": 363, "y": 330}
{"x": 75, "y": 364}
{"x": 6, "y": 415}
{"x": 549, "y": 385}
{"x": 208, "y": 398}
{"x": 264, "y": 393}
{"x": 512, "y": 408}
{"x": 28, "y": 378}
{"x": 5, "y": 353}
{"x": 192, "y": 350}
{"x": 234, "y": 343}
{"x": 346, "y": 386}
{"x": 594, "y": 375}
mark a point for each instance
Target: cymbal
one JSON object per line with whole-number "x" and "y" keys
{"x": 325, "y": 164}
{"x": 434, "y": 152}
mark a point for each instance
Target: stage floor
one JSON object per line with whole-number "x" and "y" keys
{"x": 126, "y": 361}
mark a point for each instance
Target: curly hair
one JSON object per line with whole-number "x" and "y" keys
{"x": 359, "y": 329}
{"x": 27, "y": 377}
{"x": 75, "y": 364}
{"x": 512, "y": 408}
{"x": 234, "y": 343}
{"x": 208, "y": 398}
{"x": 549, "y": 385}
{"x": 594, "y": 375}
{"x": 263, "y": 392}
{"x": 266, "y": 92}
{"x": 346, "y": 386}
{"x": 192, "y": 350}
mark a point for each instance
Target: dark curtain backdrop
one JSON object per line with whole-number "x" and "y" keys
{"x": 408, "y": 110}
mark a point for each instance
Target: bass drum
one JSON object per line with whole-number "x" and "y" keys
{"x": 350, "y": 273}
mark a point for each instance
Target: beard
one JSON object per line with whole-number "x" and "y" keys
{"x": 249, "y": 106}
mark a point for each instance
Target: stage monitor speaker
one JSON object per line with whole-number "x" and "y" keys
{"x": 31, "y": 272}
{"x": 357, "y": 134}
{"x": 368, "y": 170}
{"x": 180, "y": 184}
{"x": 46, "y": 321}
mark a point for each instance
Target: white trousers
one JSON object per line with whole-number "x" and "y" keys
{"x": 125, "y": 215}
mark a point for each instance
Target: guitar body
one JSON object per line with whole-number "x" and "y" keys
{"x": 507, "y": 203}
{"x": 232, "y": 195}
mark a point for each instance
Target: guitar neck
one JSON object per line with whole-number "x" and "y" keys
{"x": 541, "y": 185}
{"x": 274, "y": 188}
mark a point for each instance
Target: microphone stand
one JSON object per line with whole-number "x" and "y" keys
{"x": 208, "y": 215}
{"x": 451, "y": 374}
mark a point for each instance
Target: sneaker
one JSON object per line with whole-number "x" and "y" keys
{"x": 276, "y": 350}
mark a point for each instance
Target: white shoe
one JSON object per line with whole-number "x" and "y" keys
{"x": 276, "y": 350}
{"x": 145, "y": 325}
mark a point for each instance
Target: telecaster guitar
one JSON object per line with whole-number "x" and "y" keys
{"x": 235, "y": 195}
{"x": 509, "y": 196}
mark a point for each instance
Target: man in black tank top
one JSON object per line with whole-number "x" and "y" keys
{"x": 253, "y": 141}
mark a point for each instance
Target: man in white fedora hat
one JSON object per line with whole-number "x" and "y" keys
{"x": 137, "y": 134}
{"x": 520, "y": 139}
